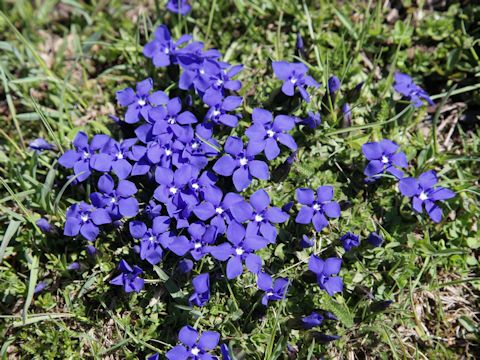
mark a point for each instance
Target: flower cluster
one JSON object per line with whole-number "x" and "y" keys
{"x": 384, "y": 156}
{"x": 176, "y": 184}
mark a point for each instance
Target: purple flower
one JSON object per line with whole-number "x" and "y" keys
{"x": 129, "y": 277}
{"x": 194, "y": 347}
{"x": 333, "y": 85}
{"x": 225, "y": 352}
{"x": 181, "y": 7}
{"x": 84, "y": 159}
{"x": 119, "y": 202}
{"x": 316, "y": 209}
{"x": 201, "y": 237}
{"x": 201, "y": 290}
{"x": 140, "y": 103}
{"x": 374, "y": 239}
{"x": 305, "y": 242}
{"x": 119, "y": 152}
{"x": 405, "y": 86}
{"x": 40, "y": 144}
{"x": 152, "y": 241}
{"x": 219, "y": 108}
{"x": 312, "y": 320}
{"x": 240, "y": 249}
{"x": 260, "y": 215}
{"x": 350, "y": 240}
{"x": 39, "y": 287}
{"x": 424, "y": 194}
{"x": 162, "y": 49}
{"x": 294, "y": 76}
{"x": 383, "y": 156}
{"x": 217, "y": 207}
{"x": 273, "y": 290}
{"x": 325, "y": 271}
{"x": 44, "y": 225}
{"x": 347, "y": 115}
{"x": 171, "y": 119}
{"x": 73, "y": 266}
{"x": 91, "y": 250}
{"x": 185, "y": 265}
{"x": 313, "y": 120}
{"x": 219, "y": 79}
{"x": 241, "y": 163}
{"x": 265, "y": 133}
{"x": 84, "y": 219}
{"x": 172, "y": 185}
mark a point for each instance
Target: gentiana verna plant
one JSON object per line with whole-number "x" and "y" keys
{"x": 176, "y": 183}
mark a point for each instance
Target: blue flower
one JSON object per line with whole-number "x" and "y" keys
{"x": 425, "y": 194}
{"x": 140, "y": 103}
{"x": 374, "y": 239}
{"x": 350, "y": 240}
{"x": 44, "y": 225}
{"x": 313, "y": 320}
{"x": 152, "y": 241}
{"x": 219, "y": 108}
{"x": 383, "y": 156}
{"x": 119, "y": 202}
{"x": 265, "y": 133}
{"x": 316, "y": 209}
{"x": 194, "y": 346}
{"x": 181, "y": 7}
{"x": 40, "y": 144}
{"x": 129, "y": 277}
{"x": 241, "y": 248}
{"x": 241, "y": 164}
{"x": 162, "y": 49}
{"x": 313, "y": 120}
{"x": 85, "y": 219}
{"x": 294, "y": 76}
{"x": 405, "y": 86}
{"x": 306, "y": 242}
{"x": 260, "y": 215}
{"x": 201, "y": 287}
{"x": 325, "y": 271}
{"x": 84, "y": 158}
{"x": 273, "y": 290}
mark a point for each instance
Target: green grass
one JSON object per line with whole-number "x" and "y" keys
{"x": 60, "y": 65}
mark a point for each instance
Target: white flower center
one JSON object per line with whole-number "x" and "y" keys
{"x": 423, "y": 196}
{"x": 171, "y": 120}
{"x": 243, "y": 161}
{"x": 293, "y": 80}
{"x": 173, "y": 190}
{"x": 197, "y": 245}
{"x": 385, "y": 159}
{"x": 84, "y": 218}
{"x": 270, "y": 133}
{"x": 141, "y": 102}
{"x": 112, "y": 200}
{"x": 119, "y": 156}
{"x": 195, "y": 186}
{"x": 195, "y": 351}
{"x": 219, "y": 210}
{"x": 202, "y": 71}
{"x": 239, "y": 251}
{"x": 86, "y": 154}
{"x": 168, "y": 152}
{"x": 269, "y": 293}
{"x": 258, "y": 218}
{"x": 219, "y": 82}
{"x": 316, "y": 207}
{"x": 151, "y": 238}
{"x": 167, "y": 50}
{"x": 216, "y": 112}
{"x": 195, "y": 146}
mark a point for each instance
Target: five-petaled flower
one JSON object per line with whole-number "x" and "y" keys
{"x": 241, "y": 164}
{"x": 273, "y": 290}
{"x": 325, "y": 271}
{"x": 383, "y": 156}
{"x": 424, "y": 194}
{"x": 316, "y": 209}
{"x": 294, "y": 76}
{"x": 194, "y": 346}
{"x": 129, "y": 277}
{"x": 265, "y": 133}
{"x": 162, "y": 49}
{"x": 240, "y": 248}
{"x": 350, "y": 240}
{"x": 405, "y": 86}
{"x": 84, "y": 219}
